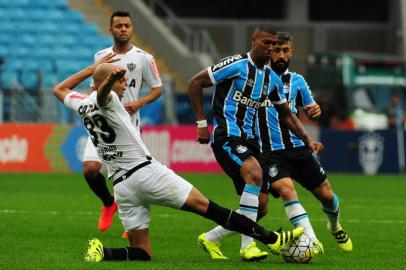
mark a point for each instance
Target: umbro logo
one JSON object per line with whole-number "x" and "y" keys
{"x": 251, "y": 82}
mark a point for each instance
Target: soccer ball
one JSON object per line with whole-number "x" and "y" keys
{"x": 299, "y": 250}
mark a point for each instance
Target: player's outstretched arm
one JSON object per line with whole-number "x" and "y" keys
{"x": 196, "y": 85}
{"x": 66, "y": 86}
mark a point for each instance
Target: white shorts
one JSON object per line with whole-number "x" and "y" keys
{"x": 152, "y": 184}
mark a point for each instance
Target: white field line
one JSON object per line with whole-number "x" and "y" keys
{"x": 89, "y": 213}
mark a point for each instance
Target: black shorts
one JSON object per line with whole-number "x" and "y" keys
{"x": 297, "y": 163}
{"x": 230, "y": 154}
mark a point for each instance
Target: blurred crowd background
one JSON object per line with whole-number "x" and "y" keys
{"x": 352, "y": 53}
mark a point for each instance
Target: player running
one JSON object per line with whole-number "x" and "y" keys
{"x": 286, "y": 156}
{"x": 243, "y": 83}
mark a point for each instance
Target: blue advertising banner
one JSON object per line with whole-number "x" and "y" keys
{"x": 73, "y": 146}
{"x": 361, "y": 152}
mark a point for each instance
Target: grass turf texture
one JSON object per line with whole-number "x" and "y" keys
{"x": 46, "y": 220}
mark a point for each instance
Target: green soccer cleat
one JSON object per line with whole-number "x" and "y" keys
{"x": 95, "y": 251}
{"x": 317, "y": 248}
{"x": 252, "y": 254}
{"x": 343, "y": 239}
{"x": 284, "y": 238}
{"x": 212, "y": 248}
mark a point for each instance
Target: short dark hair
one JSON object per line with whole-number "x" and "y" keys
{"x": 265, "y": 28}
{"x": 284, "y": 37}
{"x": 119, "y": 13}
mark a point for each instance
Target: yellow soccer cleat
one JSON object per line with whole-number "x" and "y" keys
{"x": 342, "y": 238}
{"x": 284, "y": 238}
{"x": 95, "y": 251}
{"x": 252, "y": 254}
{"x": 212, "y": 248}
{"x": 318, "y": 248}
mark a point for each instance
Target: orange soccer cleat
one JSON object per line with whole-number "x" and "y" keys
{"x": 106, "y": 218}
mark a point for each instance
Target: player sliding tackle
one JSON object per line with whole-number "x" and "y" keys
{"x": 138, "y": 179}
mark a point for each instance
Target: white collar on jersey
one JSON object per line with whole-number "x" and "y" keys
{"x": 131, "y": 47}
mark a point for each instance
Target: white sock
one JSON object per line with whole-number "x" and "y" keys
{"x": 298, "y": 217}
{"x": 217, "y": 234}
{"x": 249, "y": 207}
{"x": 332, "y": 211}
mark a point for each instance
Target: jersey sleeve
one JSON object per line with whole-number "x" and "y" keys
{"x": 276, "y": 95}
{"x": 305, "y": 93}
{"x": 73, "y": 100}
{"x": 113, "y": 101}
{"x": 226, "y": 68}
{"x": 150, "y": 73}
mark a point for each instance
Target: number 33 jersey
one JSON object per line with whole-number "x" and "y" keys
{"x": 118, "y": 142}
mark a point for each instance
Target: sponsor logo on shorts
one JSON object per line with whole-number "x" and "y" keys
{"x": 273, "y": 171}
{"x": 241, "y": 149}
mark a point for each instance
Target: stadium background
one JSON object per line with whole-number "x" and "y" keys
{"x": 41, "y": 42}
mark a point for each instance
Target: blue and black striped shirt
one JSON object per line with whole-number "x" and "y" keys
{"x": 274, "y": 135}
{"x": 240, "y": 89}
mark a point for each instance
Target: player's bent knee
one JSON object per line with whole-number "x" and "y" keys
{"x": 253, "y": 177}
{"x": 196, "y": 202}
{"x": 287, "y": 192}
{"x": 91, "y": 168}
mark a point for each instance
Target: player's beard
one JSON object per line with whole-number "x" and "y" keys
{"x": 121, "y": 41}
{"x": 280, "y": 66}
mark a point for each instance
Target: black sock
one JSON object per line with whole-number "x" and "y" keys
{"x": 125, "y": 254}
{"x": 239, "y": 223}
{"x": 99, "y": 187}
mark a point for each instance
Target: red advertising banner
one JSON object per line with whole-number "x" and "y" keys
{"x": 177, "y": 148}
{"x": 22, "y": 147}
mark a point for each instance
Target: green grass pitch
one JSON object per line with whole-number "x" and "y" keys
{"x": 46, "y": 220}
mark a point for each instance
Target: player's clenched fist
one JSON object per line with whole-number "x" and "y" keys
{"x": 117, "y": 73}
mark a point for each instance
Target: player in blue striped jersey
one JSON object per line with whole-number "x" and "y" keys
{"x": 286, "y": 157}
{"x": 243, "y": 83}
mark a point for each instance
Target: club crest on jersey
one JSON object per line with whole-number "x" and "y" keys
{"x": 241, "y": 149}
{"x": 273, "y": 171}
{"x": 131, "y": 66}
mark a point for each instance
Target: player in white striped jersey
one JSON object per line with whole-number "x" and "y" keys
{"x": 141, "y": 67}
{"x": 139, "y": 180}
